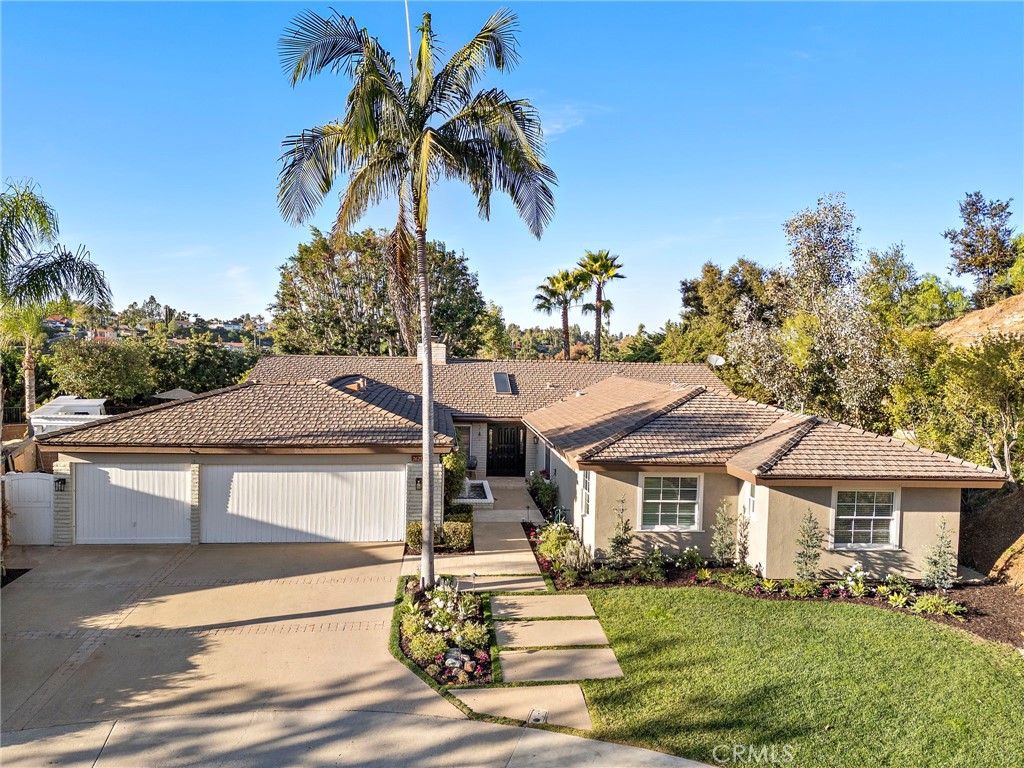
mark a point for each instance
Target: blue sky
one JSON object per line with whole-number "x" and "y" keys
{"x": 680, "y": 132}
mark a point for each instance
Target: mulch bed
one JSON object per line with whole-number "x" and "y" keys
{"x": 11, "y": 574}
{"x": 994, "y": 611}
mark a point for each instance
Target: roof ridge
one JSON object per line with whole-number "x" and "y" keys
{"x": 804, "y": 425}
{"x": 685, "y": 396}
{"x": 146, "y": 410}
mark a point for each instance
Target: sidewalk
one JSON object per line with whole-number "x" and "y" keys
{"x": 500, "y": 544}
{"x": 314, "y": 738}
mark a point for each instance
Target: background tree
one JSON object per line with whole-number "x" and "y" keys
{"x": 597, "y": 269}
{"x": 119, "y": 371}
{"x": 641, "y": 347}
{"x": 332, "y": 298}
{"x": 22, "y": 325}
{"x": 559, "y": 293}
{"x": 199, "y": 365}
{"x": 983, "y": 247}
{"x": 493, "y": 339}
{"x": 818, "y": 348}
{"x": 397, "y": 140}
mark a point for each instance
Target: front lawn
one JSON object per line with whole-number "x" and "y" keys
{"x": 841, "y": 684}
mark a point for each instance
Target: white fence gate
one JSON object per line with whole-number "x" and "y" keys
{"x": 30, "y": 496}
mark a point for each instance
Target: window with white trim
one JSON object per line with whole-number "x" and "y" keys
{"x": 669, "y": 502}
{"x": 585, "y": 493}
{"x": 864, "y": 519}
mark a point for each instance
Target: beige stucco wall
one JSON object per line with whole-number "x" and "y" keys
{"x": 612, "y": 486}
{"x": 920, "y": 512}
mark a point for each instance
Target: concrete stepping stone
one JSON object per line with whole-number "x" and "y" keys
{"x": 540, "y": 606}
{"x": 535, "y": 634}
{"x": 567, "y": 664}
{"x": 564, "y": 704}
{"x": 503, "y": 584}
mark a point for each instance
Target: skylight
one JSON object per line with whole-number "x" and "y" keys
{"x": 502, "y": 385}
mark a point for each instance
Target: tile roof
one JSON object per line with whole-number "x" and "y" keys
{"x": 306, "y": 414}
{"x": 658, "y": 425}
{"x": 466, "y": 386}
{"x": 604, "y": 413}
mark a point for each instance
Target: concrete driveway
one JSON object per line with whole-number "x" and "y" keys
{"x": 105, "y": 632}
{"x": 240, "y": 655}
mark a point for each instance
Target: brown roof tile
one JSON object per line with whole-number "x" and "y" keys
{"x": 466, "y": 387}
{"x": 309, "y": 414}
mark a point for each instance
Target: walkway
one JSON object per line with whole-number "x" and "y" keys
{"x": 315, "y": 738}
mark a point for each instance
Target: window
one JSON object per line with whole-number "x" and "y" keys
{"x": 502, "y": 383}
{"x": 464, "y": 433}
{"x": 669, "y": 502}
{"x": 751, "y": 504}
{"x": 585, "y": 493}
{"x": 864, "y": 519}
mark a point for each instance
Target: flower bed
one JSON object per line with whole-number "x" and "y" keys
{"x": 689, "y": 568}
{"x": 444, "y": 632}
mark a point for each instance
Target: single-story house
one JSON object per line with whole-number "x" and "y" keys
{"x": 326, "y": 448}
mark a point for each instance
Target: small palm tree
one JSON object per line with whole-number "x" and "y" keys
{"x": 23, "y": 326}
{"x": 598, "y": 269}
{"x": 560, "y": 292}
{"x": 396, "y": 140}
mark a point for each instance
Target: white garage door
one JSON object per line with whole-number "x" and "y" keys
{"x": 132, "y": 503}
{"x": 263, "y": 503}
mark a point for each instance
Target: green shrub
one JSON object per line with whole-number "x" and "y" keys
{"x": 690, "y": 558}
{"x": 803, "y": 588}
{"x": 459, "y": 513}
{"x": 897, "y": 582}
{"x": 454, "y": 464}
{"x": 457, "y": 537}
{"x": 723, "y": 535}
{"x": 604, "y": 576}
{"x": 433, "y": 670}
{"x": 414, "y": 536}
{"x": 650, "y": 568}
{"x": 472, "y": 635}
{"x": 770, "y": 586}
{"x": 741, "y": 582}
{"x": 553, "y": 538}
{"x": 424, "y": 647}
{"x": 544, "y": 492}
{"x": 620, "y": 543}
{"x": 703, "y": 574}
{"x": 898, "y": 600}
{"x": 570, "y": 575}
{"x": 938, "y": 605}
{"x": 413, "y": 624}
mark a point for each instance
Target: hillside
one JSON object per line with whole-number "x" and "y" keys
{"x": 1007, "y": 316}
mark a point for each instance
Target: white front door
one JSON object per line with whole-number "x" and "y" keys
{"x": 132, "y": 503}
{"x": 302, "y": 503}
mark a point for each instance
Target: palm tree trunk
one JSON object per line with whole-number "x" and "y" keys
{"x": 565, "y": 331}
{"x": 427, "y": 549}
{"x": 597, "y": 323}
{"x": 29, "y": 367}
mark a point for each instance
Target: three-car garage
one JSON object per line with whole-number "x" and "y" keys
{"x": 238, "y": 502}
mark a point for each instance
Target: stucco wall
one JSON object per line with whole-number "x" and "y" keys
{"x": 612, "y": 486}
{"x": 920, "y": 511}
{"x": 564, "y": 477}
{"x": 757, "y": 533}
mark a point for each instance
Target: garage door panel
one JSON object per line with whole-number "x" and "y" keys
{"x": 132, "y": 503}
{"x": 302, "y": 503}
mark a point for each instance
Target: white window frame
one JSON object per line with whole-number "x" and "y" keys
{"x": 586, "y": 494}
{"x": 895, "y": 527}
{"x": 698, "y": 518}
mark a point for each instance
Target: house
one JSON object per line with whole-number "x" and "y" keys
{"x": 102, "y": 334}
{"x": 327, "y": 449}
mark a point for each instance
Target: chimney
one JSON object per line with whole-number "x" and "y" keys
{"x": 438, "y": 352}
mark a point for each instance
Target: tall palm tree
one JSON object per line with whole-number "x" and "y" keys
{"x": 560, "y": 292}
{"x": 598, "y": 269}
{"x": 396, "y": 140}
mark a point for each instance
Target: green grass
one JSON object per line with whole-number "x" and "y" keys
{"x": 842, "y": 685}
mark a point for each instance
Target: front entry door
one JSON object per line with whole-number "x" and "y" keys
{"x": 506, "y": 450}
